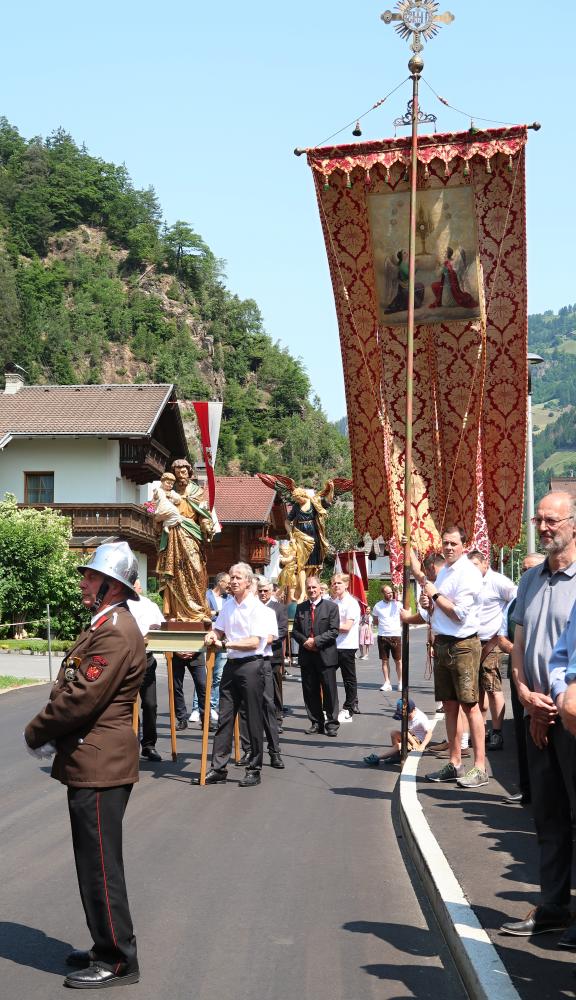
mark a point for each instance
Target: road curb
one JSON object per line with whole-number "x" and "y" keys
{"x": 482, "y": 971}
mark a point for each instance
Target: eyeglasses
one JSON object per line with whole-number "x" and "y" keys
{"x": 550, "y": 522}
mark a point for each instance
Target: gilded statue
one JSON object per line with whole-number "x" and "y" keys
{"x": 307, "y": 523}
{"x": 187, "y": 526}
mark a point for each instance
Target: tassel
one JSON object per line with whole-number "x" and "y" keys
{"x": 510, "y": 164}
{"x": 488, "y": 167}
{"x": 348, "y": 181}
{"x": 387, "y": 175}
{"x": 368, "y": 178}
{"x": 466, "y": 170}
{"x": 426, "y": 172}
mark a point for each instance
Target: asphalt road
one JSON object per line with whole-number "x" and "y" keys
{"x": 296, "y": 888}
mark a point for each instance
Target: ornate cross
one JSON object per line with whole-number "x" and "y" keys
{"x": 418, "y": 18}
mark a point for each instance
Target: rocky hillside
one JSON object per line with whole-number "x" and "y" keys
{"x": 94, "y": 288}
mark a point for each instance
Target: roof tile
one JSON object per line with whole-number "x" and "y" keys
{"x": 82, "y": 409}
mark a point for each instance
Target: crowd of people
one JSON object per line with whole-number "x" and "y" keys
{"x": 474, "y": 616}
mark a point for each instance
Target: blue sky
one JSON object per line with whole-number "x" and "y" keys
{"x": 205, "y": 101}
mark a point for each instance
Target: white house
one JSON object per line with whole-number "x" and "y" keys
{"x": 89, "y": 450}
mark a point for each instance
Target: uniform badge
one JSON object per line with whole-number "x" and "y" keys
{"x": 99, "y": 661}
{"x": 93, "y": 671}
{"x": 71, "y": 664}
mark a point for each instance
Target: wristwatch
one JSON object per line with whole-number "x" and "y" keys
{"x": 436, "y": 596}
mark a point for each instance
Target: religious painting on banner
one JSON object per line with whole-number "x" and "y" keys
{"x": 447, "y": 265}
{"x": 470, "y": 344}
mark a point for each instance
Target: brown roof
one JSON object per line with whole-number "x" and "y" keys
{"x": 243, "y": 499}
{"x": 83, "y": 409}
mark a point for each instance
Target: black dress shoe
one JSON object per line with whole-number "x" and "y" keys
{"x": 151, "y": 753}
{"x": 539, "y": 921}
{"x": 314, "y": 728}
{"x": 249, "y": 779}
{"x": 244, "y": 760}
{"x": 96, "y": 977}
{"x": 181, "y": 724}
{"x": 276, "y": 760}
{"x": 215, "y": 777}
{"x": 355, "y": 710}
{"x": 80, "y": 959}
{"x": 517, "y": 798}
{"x": 331, "y": 730}
{"x": 568, "y": 939}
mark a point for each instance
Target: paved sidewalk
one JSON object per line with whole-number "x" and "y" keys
{"x": 491, "y": 849}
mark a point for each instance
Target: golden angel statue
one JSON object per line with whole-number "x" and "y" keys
{"x": 307, "y": 522}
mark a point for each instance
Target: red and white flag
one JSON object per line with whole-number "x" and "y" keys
{"x": 354, "y": 564}
{"x": 209, "y": 416}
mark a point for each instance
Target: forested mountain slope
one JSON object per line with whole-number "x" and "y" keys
{"x": 94, "y": 287}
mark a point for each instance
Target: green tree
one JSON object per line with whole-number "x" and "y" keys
{"x": 37, "y": 568}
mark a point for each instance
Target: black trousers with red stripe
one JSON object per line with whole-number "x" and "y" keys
{"x": 96, "y": 816}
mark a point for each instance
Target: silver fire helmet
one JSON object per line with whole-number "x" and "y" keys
{"x": 116, "y": 560}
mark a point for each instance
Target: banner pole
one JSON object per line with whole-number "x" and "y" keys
{"x": 415, "y": 66}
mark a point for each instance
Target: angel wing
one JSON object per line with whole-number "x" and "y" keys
{"x": 283, "y": 484}
{"x": 336, "y": 487}
{"x": 460, "y": 264}
{"x": 389, "y": 281}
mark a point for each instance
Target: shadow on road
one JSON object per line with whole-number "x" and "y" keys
{"x": 423, "y": 980}
{"x": 29, "y": 946}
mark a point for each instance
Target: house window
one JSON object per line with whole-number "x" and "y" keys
{"x": 38, "y": 487}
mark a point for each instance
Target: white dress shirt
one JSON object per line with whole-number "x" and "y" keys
{"x": 497, "y": 592}
{"x": 461, "y": 583}
{"x": 146, "y": 613}
{"x": 242, "y": 620}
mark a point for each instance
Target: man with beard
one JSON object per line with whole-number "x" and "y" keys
{"x": 546, "y": 595}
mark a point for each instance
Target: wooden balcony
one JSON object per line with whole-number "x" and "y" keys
{"x": 128, "y": 521}
{"x": 142, "y": 461}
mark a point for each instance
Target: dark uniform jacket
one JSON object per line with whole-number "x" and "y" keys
{"x": 89, "y": 715}
{"x": 281, "y": 613}
{"x": 326, "y": 629}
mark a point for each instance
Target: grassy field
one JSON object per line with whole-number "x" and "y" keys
{"x": 12, "y": 682}
{"x": 545, "y": 413}
{"x": 558, "y": 460}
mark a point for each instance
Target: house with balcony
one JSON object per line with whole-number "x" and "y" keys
{"x": 90, "y": 451}
{"x": 253, "y": 517}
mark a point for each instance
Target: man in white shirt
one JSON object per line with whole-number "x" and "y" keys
{"x": 243, "y": 628}
{"x": 347, "y": 642}
{"x": 387, "y": 613}
{"x": 148, "y": 616}
{"x": 456, "y": 596}
{"x": 497, "y": 592}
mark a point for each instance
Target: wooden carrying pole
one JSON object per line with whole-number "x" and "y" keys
{"x": 171, "y": 706}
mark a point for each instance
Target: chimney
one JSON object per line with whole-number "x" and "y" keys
{"x": 14, "y": 376}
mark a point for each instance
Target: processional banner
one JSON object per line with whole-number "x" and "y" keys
{"x": 470, "y": 346}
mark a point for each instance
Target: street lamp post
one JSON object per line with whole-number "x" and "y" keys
{"x": 533, "y": 359}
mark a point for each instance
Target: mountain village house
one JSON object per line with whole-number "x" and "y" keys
{"x": 92, "y": 452}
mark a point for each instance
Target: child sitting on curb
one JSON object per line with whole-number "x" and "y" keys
{"x": 419, "y": 733}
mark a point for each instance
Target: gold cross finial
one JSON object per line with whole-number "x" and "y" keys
{"x": 418, "y": 18}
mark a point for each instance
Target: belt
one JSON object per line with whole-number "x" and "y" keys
{"x": 450, "y": 639}
{"x": 233, "y": 660}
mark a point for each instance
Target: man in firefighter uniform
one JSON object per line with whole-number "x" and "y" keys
{"x": 88, "y": 720}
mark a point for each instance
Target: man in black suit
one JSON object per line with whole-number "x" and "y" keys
{"x": 316, "y": 627}
{"x": 280, "y": 610}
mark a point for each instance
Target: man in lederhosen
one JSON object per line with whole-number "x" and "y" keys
{"x": 88, "y": 719}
